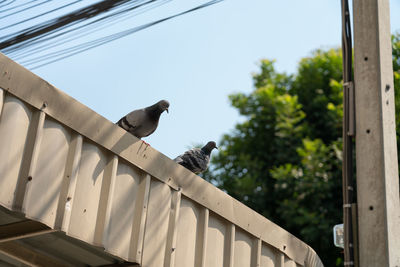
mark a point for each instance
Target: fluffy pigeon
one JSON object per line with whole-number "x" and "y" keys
{"x": 143, "y": 122}
{"x": 196, "y": 159}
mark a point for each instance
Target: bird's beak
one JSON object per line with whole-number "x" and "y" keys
{"x": 216, "y": 148}
{"x": 167, "y": 110}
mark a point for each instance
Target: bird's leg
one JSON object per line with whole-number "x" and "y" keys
{"x": 147, "y": 144}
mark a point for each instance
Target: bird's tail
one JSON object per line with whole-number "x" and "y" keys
{"x": 178, "y": 160}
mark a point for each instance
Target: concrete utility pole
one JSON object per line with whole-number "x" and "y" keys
{"x": 376, "y": 151}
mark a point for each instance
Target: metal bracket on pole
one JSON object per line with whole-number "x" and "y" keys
{"x": 349, "y": 86}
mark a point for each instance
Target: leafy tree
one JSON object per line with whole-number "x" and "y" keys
{"x": 284, "y": 160}
{"x": 312, "y": 85}
{"x": 311, "y": 196}
{"x": 269, "y": 137}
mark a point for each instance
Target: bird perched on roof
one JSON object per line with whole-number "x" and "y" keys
{"x": 143, "y": 122}
{"x": 196, "y": 159}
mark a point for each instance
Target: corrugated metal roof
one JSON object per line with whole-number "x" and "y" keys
{"x": 37, "y": 244}
{"x": 65, "y": 166}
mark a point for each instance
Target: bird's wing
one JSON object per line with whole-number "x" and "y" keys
{"x": 132, "y": 120}
{"x": 136, "y": 118}
{"x": 195, "y": 160}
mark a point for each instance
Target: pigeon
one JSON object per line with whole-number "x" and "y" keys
{"x": 143, "y": 122}
{"x": 196, "y": 159}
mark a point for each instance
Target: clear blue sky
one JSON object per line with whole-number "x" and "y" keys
{"x": 196, "y": 61}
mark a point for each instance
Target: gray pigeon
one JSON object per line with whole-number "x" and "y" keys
{"x": 143, "y": 122}
{"x": 196, "y": 159}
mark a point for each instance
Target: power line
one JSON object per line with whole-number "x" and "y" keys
{"x": 65, "y": 53}
{"x": 52, "y": 35}
{"x": 33, "y": 44}
{"x": 40, "y": 15}
{"x": 19, "y": 11}
{"x": 97, "y": 25}
{"x": 348, "y": 136}
{"x": 58, "y": 23}
{"x": 9, "y": 3}
{"x": 84, "y": 31}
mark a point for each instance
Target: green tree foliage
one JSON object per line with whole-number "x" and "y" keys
{"x": 396, "y": 74}
{"x": 284, "y": 159}
{"x": 312, "y": 85}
